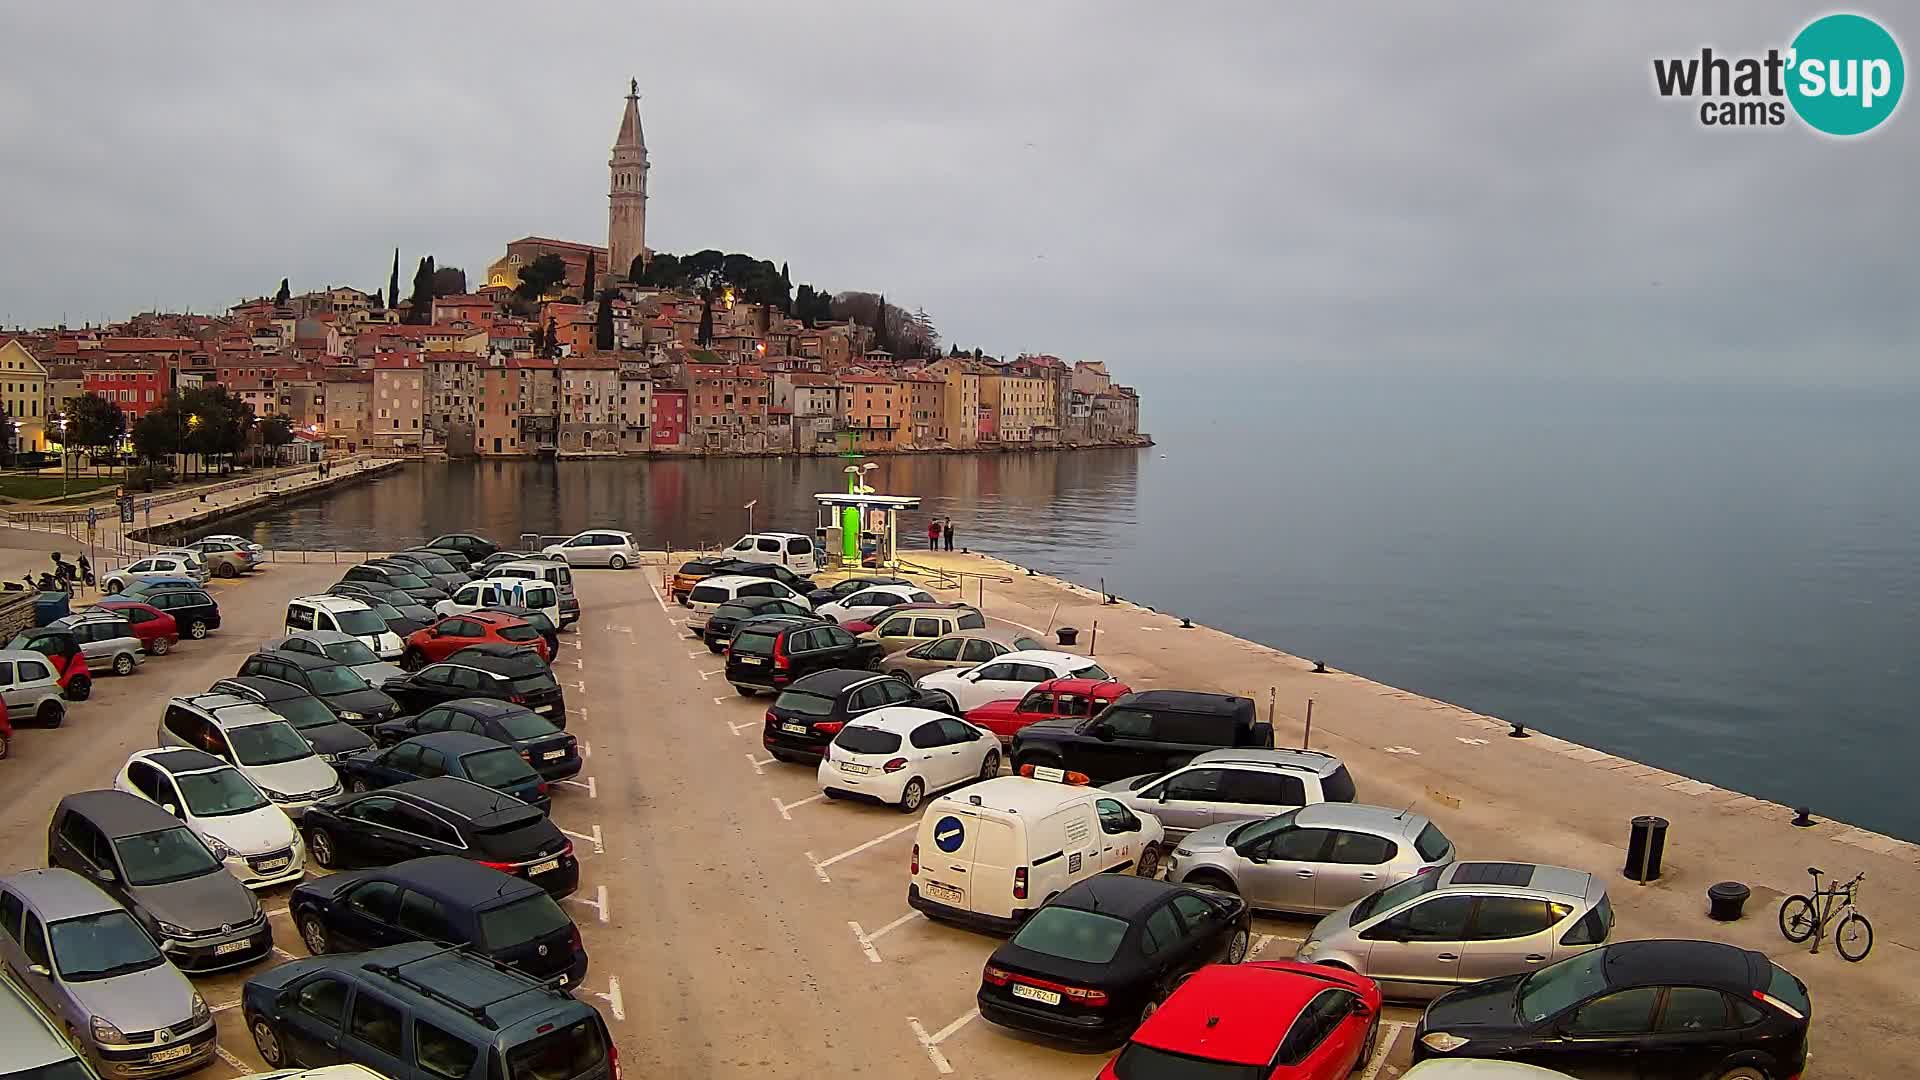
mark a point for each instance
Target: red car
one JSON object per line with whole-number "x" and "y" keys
{"x": 1049, "y": 700}
{"x": 155, "y": 628}
{"x": 432, "y": 644}
{"x": 1268, "y": 1020}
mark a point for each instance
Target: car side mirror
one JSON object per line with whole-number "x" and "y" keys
{"x": 40, "y": 970}
{"x": 171, "y": 809}
{"x": 104, "y": 877}
{"x": 1105, "y": 734}
{"x": 1360, "y": 1008}
{"x": 1164, "y": 788}
{"x": 1133, "y": 824}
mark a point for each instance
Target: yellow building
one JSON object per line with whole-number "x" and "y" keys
{"x": 24, "y": 392}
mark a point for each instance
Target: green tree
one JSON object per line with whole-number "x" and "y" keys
{"x": 9, "y": 431}
{"x": 280, "y": 298}
{"x": 705, "y": 337}
{"x": 159, "y": 434}
{"x": 275, "y": 432}
{"x": 553, "y": 337}
{"x": 882, "y": 338}
{"x": 393, "y": 282}
{"x": 786, "y": 291}
{"x": 449, "y": 281}
{"x": 603, "y": 323}
{"x": 539, "y": 276}
{"x": 94, "y": 424}
{"x": 640, "y": 271}
{"x": 586, "y": 289}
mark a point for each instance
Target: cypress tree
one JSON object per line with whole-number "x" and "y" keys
{"x": 553, "y": 337}
{"x": 705, "y": 337}
{"x": 280, "y": 298}
{"x": 393, "y": 282}
{"x": 603, "y": 322}
{"x": 586, "y": 290}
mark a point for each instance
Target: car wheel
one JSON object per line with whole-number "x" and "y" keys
{"x": 313, "y": 934}
{"x": 618, "y": 562}
{"x": 123, "y": 664}
{"x": 226, "y": 570}
{"x": 412, "y": 660}
{"x": 912, "y": 794}
{"x": 947, "y": 702}
{"x": 1239, "y": 945}
{"x": 1366, "y": 1048}
{"x": 79, "y": 688}
{"x": 114, "y": 587}
{"x": 1212, "y": 880}
{"x": 714, "y": 648}
{"x": 1147, "y": 1010}
{"x": 902, "y": 676}
{"x": 50, "y": 714}
{"x": 197, "y": 629}
{"x": 161, "y": 646}
{"x": 1149, "y": 863}
{"x": 267, "y": 1041}
{"x": 6, "y": 747}
{"x": 320, "y": 846}
{"x": 1744, "y": 1072}
{"x": 990, "y": 768}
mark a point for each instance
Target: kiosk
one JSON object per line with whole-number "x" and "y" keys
{"x": 862, "y": 526}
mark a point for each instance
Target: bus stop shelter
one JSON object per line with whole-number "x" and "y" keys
{"x": 862, "y": 529}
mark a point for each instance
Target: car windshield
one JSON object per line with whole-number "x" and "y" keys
{"x": 1432, "y": 843}
{"x": 304, "y": 712}
{"x": 100, "y": 947}
{"x": 219, "y": 793}
{"x": 158, "y": 858}
{"x": 1025, "y": 644}
{"x": 709, "y": 594}
{"x": 753, "y": 642}
{"x": 335, "y": 679}
{"x": 1551, "y": 989}
{"x": 267, "y": 744}
{"x": 1070, "y": 934}
{"x": 359, "y": 624}
{"x": 575, "y": 1050}
{"x": 434, "y": 563}
{"x": 404, "y": 580}
{"x": 1091, "y": 671}
{"x": 531, "y": 917}
{"x": 384, "y": 610}
{"x": 860, "y": 739}
{"x": 498, "y": 767}
{"x": 525, "y": 725}
{"x": 519, "y": 632}
{"x": 735, "y": 610}
{"x": 1142, "y": 1062}
{"x": 351, "y": 652}
{"x": 1394, "y": 895}
{"x": 804, "y": 703}
{"x": 1255, "y": 831}
{"x": 538, "y": 620}
{"x": 534, "y": 683}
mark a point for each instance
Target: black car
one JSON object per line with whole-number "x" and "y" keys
{"x": 192, "y": 609}
{"x": 402, "y": 613}
{"x": 513, "y": 675}
{"x": 474, "y": 546}
{"x": 553, "y": 753}
{"x": 840, "y": 590}
{"x": 441, "y": 816}
{"x": 487, "y": 762}
{"x": 1088, "y": 966}
{"x": 1152, "y": 731}
{"x": 781, "y": 574}
{"x": 379, "y": 573}
{"x": 773, "y": 655}
{"x": 308, "y": 714}
{"x": 446, "y": 899}
{"x": 486, "y": 565}
{"x": 433, "y": 569}
{"x": 1645, "y": 1008}
{"x": 809, "y": 713}
{"x": 532, "y": 617}
{"x": 720, "y": 623}
{"x": 458, "y": 560}
{"x": 337, "y": 686}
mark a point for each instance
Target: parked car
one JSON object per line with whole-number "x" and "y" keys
{"x": 963, "y": 616}
{"x": 1472, "y": 921}
{"x": 421, "y": 1011}
{"x": 1099, "y": 958}
{"x": 94, "y": 968}
{"x": 415, "y": 586}
{"x": 223, "y": 558}
{"x": 338, "y": 686}
{"x": 799, "y": 583}
{"x": 251, "y": 738}
{"x": 453, "y": 633}
{"x": 398, "y": 609}
{"x": 899, "y": 754}
{"x": 554, "y": 572}
{"x": 458, "y": 559}
{"x": 553, "y": 753}
{"x": 431, "y": 568}
{"x": 548, "y": 627}
{"x": 472, "y": 545}
{"x": 157, "y": 566}
{"x": 251, "y": 836}
{"x": 137, "y": 589}
{"x": 597, "y": 547}
{"x": 6, "y": 733}
{"x": 193, "y": 610}
{"x": 36, "y": 1046}
{"x": 905, "y": 625}
{"x": 202, "y": 919}
{"x": 715, "y": 591}
{"x": 1055, "y": 699}
{"x": 107, "y": 639}
{"x": 1148, "y": 731}
{"x": 1010, "y": 675}
{"x": 487, "y": 762}
{"x": 1314, "y": 859}
{"x": 924, "y": 654}
{"x": 237, "y": 541}
{"x": 1224, "y": 786}
{"x": 795, "y": 551}
{"x": 155, "y": 628}
{"x": 1635, "y": 1008}
{"x": 772, "y": 655}
{"x": 30, "y": 688}
{"x": 339, "y": 647}
{"x": 846, "y": 587}
{"x": 811, "y": 711}
{"x": 351, "y": 615}
{"x": 62, "y": 650}
{"x": 446, "y": 899}
{"x": 873, "y": 600}
{"x": 1265, "y": 1020}
{"x": 717, "y": 631}
{"x": 691, "y": 573}
{"x": 486, "y": 671}
{"x": 1479, "y": 1069}
{"x": 442, "y": 816}
{"x": 487, "y": 563}
{"x": 325, "y": 732}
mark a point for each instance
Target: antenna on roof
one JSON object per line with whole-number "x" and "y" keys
{"x": 1405, "y": 812}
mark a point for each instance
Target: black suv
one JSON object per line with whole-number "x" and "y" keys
{"x": 338, "y": 686}
{"x": 193, "y": 611}
{"x": 441, "y": 898}
{"x": 441, "y": 816}
{"x": 308, "y": 714}
{"x": 553, "y": 753}
{"x": 781, "y": 574}
{"x": 808, "y": 714}
{"x": 474, "y": 546}
{"x": 1151, "y": 731}
{"x": 403, "y": 614}
{"x": 423, "y": 1011}
{"x": 718, "y": 630}
{"x": 772, "y": 655}
{"x": 511, "y": 674}
{"x": 399, "y": 577}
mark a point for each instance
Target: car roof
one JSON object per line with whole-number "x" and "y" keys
{"x": 460, "y": 796}
{"x": 1044, "y": 656}
{"x": 494, "y": 655}
{"x": 22, "y": 654}
{"x": 834, "y": 680}
{"x": 117, "y": 812}
{"x": 497, "y": 619}
{"x": 178, "y": 760}
{"x": 1098, "y": 688}
{"x": 1125, "y": 896}
{"x": 89, "y": 615}
{"x": 1522, "y": 877}
{"x": 924, "y": 605}
{"x": 1695, "y": 963}
{"x": 304, "y": 660}
{"x": 1191, "y": 701}
{"x": 60, "y": 893}
{"x": 332, "y": 601}
{"x": 1313, "y": 761}
{"x": 731, "y": 581}
{"x": 898, "y": 719}
{"x": 1024, "y": 796}
{"x": 480, "y": 706}
{"x": 321, "y": 637}
{"x": 781, "y": 535}
{"x": 506, "y": 997}
{"x": 453, "y": 876}
{"x": 1379, "y": 820}
{"x": 231, "y": 710}
{"x": 1237, "y": 1012}
{"x": 455, "y": 742}
{"x": 268, "y": 687}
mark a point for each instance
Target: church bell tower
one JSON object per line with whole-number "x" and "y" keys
{"x": 627, "y": 191}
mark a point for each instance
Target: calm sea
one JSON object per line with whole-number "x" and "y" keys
{"x": 1722, "y": 581}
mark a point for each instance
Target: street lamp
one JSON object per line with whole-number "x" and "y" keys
{"x": 751, "y": 503}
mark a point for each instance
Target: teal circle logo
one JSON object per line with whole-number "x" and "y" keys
{"x": 1845, "y": 74}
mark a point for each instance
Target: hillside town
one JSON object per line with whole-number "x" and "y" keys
{"x": 577, "y": 350}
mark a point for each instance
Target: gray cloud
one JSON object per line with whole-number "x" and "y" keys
{"x": 1221, "y": 186}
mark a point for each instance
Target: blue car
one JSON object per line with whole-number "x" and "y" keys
{"x": 462, "y": 754}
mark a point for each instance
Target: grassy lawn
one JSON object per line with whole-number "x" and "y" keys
{"x": 30, "y": 486}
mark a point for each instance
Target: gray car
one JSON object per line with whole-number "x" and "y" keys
{"x": 1224, "y": 786}
{"x": 106, "y": 639}
{"x": 35, "y": 1045}
{"x": 30, "y": 688}
{"x": 1313, "y": 859}
{"x": 959, "y": 649}
{"x": 97, "y": 971}
{"x": 339, "y": 646}
{"x": 1470, "y": 922}
{"x": 142, "y": 856}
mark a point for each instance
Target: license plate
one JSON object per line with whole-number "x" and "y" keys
{"x": 232, "y": 947}
{"x": 797, "y": 729}
{"x": 553, "y": 755}
{"x": 1034, "y": 993}
{"x": 274, "y": 864}
{"x": 855, "y": 768}
{"x": 753, "y": 661}
{"x": 171, "y": 1053}
{"x": 547, "y": 708}
{"x": 541, "y": 868}
{"x": 945, "y": 892}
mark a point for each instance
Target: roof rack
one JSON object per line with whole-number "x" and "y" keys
{"x": 477, "y": 1012}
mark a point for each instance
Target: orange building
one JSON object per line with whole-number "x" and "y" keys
{"x": 879, "y": 412}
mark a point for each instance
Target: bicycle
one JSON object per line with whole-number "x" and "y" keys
{"x": 1803, "y": 917}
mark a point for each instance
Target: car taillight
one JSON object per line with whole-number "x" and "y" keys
{"x": 832, "y": 727}
{"x": 613, "y": 1061}
{"x": 996, "y": 976}
{"x": 526, "y": 756}
{"x": 503, "y": 867}
{"x": 895, "y": 765}
{"x": 517, "y": 699}
{"x": 543, "y": 787}
{"x": 1762, "y": 995}
{"x": 567, "y": 851}
{"x": 780, "y": 653}
{"x": 772, "y": 720}
{"x": 1092, "y": 998}
{"x": 915, "y": 867}
{"x": 574, "y": 935}
{"x": 1020, "y": 883}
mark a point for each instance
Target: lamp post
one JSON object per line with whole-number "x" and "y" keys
{"x": 751, "y": 503}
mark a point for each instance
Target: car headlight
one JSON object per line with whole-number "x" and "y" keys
{"x": 220, "y": 848}
{"x": 276, "y": 796}
{"x": 1308, "y": 948}
{"x": 106, "y": 1033}
{"x": 1183, "y": 852}
{"x": 200, "y": 1010}
{"x": 349, "y": 714}
{"x": 169, "y": 929}
{"x": 1442, "y": 1042}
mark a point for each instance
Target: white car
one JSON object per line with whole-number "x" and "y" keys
{"x": 496, "y": 593}
{"x": 154, "y": 566}
{"x": 236, "y": 541}
{"x": 795, "y": 551}
{"x": 340, "y": 646}
{"x": 217, "y": 803}
{"x": 869, "y": 602}
{"x": 901, "y": 754}
{"x": 711, "y": 592}
{"x": 1010, "y": 675}
{"x": 246, "y": 735}
{"x": 348, "y": 615}
{"x": 597, "y": 547}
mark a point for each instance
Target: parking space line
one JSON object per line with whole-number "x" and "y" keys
{"x": 593, "y": 789}
{"x": 599, "y": 845}
{"x": 1384, "y": 1048}
{"x": 866, "y": 940}
{"x": 272, "y": 913}
{"x": 283, "y": 954}
{"x": 711, "y": 674}
{"x": 586, "y": 745}
{"x": 737, "y": 728}
{"x": 619, "y": 629}
{"x": 224, "y": 1006}
{"x": 719, "y": 700}
{"x": 1261, "y": 941}
{"x": 757, "y": 763}
{"x": 579, "y": 663}
{"x": 896, "y": 924}
{"x": 784, "y": 807}
{"x": 613, "y": 1000}
{"x": 699, "y": 654}
{"x": 931, "y": 1043}
{"x": 580, "y": 685}
{"x": 227, "y": 1056}
{"x": 599, "y": 906}
{"x": 820, "y": 865}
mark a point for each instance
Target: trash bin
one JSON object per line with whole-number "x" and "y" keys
{"x": 1725, "y": 900}
{"x": 1067, "y": 635}
{"x": 49, "y": 606}
{"x": 1646, "y": 843}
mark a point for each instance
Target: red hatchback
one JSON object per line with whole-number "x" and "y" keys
{"x": 1049, "y": 700}
{"x": 1271, "y": 1020}
{"x": 432, "y": 644}
{"x": 155, "y": 628}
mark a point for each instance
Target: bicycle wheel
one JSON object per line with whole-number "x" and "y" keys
{"x": 1796, "y": 918}
{"x": 1854, "y": 937}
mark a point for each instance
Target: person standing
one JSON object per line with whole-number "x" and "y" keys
{"x": 947, "y": 529}
{"x": 933, "y": 534}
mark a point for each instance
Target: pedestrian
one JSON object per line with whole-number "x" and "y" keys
{"x": 933, "y": 534}
{"x": 948, "y": 530}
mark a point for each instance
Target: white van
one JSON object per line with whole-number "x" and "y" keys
{"x": 558, "y": 573}
{"x": 714, "y": 591}
{"x": 795, "y": 551}
{"x": 347, "y": 615}
{"x": 541, "y": 596}
{"x": 992, "y": 854}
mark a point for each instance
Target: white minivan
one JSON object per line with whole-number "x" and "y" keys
{"x": 992, "y": 854}
{"x": 714, "y": 591}
{"x": 554, "y": 572}
{"x": 795, "y": 551}
{"x": 541, "y": 596}
{"x": 347, "y": 615}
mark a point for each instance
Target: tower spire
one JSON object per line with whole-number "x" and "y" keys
{"x": 627, "y": 191}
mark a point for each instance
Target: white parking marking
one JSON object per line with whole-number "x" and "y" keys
{"x": 1384, "y": 1047}
{"x": 657, "y": 598}
{"x": 579, "y": 663}
{"x": 620, "y": 629}
{"x": 594, "y": 838}
{"x": 223, "y": 1007}
{"x": 820, "y": 865}
{"x": 238, "y": 1065}
{"x": 580, "y": 685}
{"x": 931, "y": 1043}
{"x": 593, "y": 788}
{"x": 784, "y": 807}
{"x": 1401, "y": 750}
{"x": 866, "y": 943}
{"x": 586, "y": 747}
{"x": 283, "y": 954}
{"x": 582, "y": 710}
{"x": 273, "y": 913}
{"x": 866, "y": 939}
{"x": 698, "y": 655}
{"x": 896, "y": 924}
{"x": 738, "y": 728}
{"x": 613, "y": 1000}
{"x": 719, "y": 700}
{"x": 756, "y": 763}
{"x": 1469, "y": 742}
{"x": 711, "y": 674}
{"x": 599, "y": 906}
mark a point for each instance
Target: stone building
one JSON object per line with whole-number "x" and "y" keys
{"x": 589, "y": 404}
{"x": 399, "y": 402}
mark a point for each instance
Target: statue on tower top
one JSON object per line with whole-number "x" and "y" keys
{"x": 633, "y": 87}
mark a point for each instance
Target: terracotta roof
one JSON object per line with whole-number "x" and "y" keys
{"x": 148, "y": 344}
{"x": 811, "y": 378}
{"x": 589, "y": 362}
{"x": 866, "y": 379}
{"x": 566, "y": 245}
{"x": 392, "y": 362}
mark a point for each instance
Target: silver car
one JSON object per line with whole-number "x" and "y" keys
{"x": 1472, "y": 921}
{"x": 90, "y": 963}
{"x": 106, "y": 639}
{"x": 1313, "y": 859}
{"x": 959, "y": 649}
{"x": 30, "y": 688}
{"x": 1224, "y": 786}
{"x": 338, "y": 646}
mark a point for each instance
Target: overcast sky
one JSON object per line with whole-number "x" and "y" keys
{"x": 1472, "y": 187}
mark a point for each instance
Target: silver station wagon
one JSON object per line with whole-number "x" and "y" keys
{"x": 1313, "y": 859}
